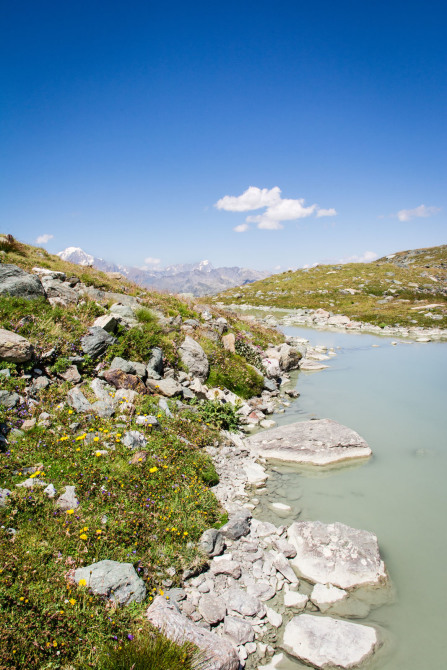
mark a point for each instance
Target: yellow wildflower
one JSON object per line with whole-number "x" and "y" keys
{"x": 72, "y": 601}
{"x": 83, "y": 536}
{"x": 70, "y": 511}
{"x": 154, "y": 469}
{"x": 82, "y": 582}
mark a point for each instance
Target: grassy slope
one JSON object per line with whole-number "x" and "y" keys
{"x": 411, "y": 279}
{"x": 145, "y": 512}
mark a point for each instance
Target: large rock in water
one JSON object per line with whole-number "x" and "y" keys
{"x": 321, "y": 442}
{"x": 194, "y": 358}
{"x": 337, "y": 554}
{"x": 16, "y": 282}
{"x": 117, "y": 581}
{"x": 218, "y": 653}
{"x": 328, "y": 643}
{"x": 14, "y": 348}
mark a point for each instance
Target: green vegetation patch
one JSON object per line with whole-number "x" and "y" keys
{"x": 228, "y": 370}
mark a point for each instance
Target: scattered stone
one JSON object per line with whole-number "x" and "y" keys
{"x": 134, "y": 439}
{"x": 267, "y": 423}
{"x": 14, "y": 348}
{"x": 120, "y": 364}
{"x": 295, "y": 600}
{"x": 163, "y": 405}
{"x": 71, "y": 375}
{"x": 212, "y": 542}
{"x": 116, "y": 581}
{"x": 320, "y": 442}
{"x": 96, "y": 342}
{"x": 50, "y": 491}
{"x": 274, "y": 618}
{"x": 281, "y": 563}
{"x": 194, "y": 358}
{"x": 68, "y": 499}
{"x": 212, "y": 609}
{"x": 107, "y": 322}
{"x": 147, "y": 420}
{"x": 241, "y": 602}
{"x": 123, "y": 380}
{"x": 238, "y": 630}
{"x": 167, "y": 387}
{"x": 56, "y": 289}
{"x": 328, "y": 643}
{"x": 4, "y": 496}
{"x": 237, "y": 526}
{"x": 28, "y": 424}
{"x": 256, "y": 474}
{"x": 224, "y": 567}
{"x": 155, "y": 364}
{"x": 219, "y": 652}
{"x": 281, "y": 508}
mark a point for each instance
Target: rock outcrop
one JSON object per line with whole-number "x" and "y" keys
{"x": 14, "y": 348}
{"x": 217, "y": 652}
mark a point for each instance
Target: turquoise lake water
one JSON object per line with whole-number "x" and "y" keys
{"x": 396, "y": 398}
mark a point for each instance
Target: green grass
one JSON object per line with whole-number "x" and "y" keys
{"x": 154, "y": 507}
{"x": 228, "y": 370}
{"x": 408, "y": 280}
{"x": 149, "y": 651}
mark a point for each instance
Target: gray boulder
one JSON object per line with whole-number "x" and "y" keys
{"x": 321, "y": 442}
{"x": 16, "y": 282}
{"x": 134, "y": 439}
{"x": 219, "y": 653}
{"x": 328, "y": 643}
{"x": 77, "y": 400}
{"x": 96, "y": 342}
{"x": 54, "y": 288}
{"x": 8, "y": 399}
{"x": 116, "y": 581}
{"x": 14, "y": 348}
{"x": 242, "y": 603}
{"x": 194, "y": 358}
{"x": 122, "y": 311}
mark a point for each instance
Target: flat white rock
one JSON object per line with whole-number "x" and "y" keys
{"x": 337, "y": 554}
{"x": 321, "y": 442}
{"x": 327, "y": 643}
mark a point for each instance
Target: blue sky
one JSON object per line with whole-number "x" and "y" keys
{"x": 124, "y": 124}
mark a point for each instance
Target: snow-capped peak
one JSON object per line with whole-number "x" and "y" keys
{"x": 76, "y": 255}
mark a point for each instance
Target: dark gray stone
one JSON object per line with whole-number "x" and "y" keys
{"x": 237, "y": 526}
{"x": 96, "y": 342}
{"x": 212, "y": 542}
{"x": 18, "y": 283}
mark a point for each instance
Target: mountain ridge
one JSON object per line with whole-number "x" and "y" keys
{"x": 199, "y": 279}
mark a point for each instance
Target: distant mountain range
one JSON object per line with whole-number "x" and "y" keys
{"x": 197, "y": 278}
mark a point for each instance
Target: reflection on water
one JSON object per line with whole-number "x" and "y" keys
{"x": 396, "y": 398}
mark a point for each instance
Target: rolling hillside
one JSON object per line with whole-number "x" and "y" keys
{"x": 405, "y": 288}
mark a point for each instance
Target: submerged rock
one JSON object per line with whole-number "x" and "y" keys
{"x": 328, "y": 643}
{"x": 337, "y": 554}
{"x": 321, "y": 442}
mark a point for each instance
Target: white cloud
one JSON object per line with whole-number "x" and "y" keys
{"x": 366, "y": 257}
{"x": 252, "y": 198}
{"x": 326, "y": 212}
{"x": 152, "y": 261}
{"x": 418, "y": 212}
{"x": 241, "y": 228}
{"x": 43, "y": 239}
{"x": 277, "y": 209}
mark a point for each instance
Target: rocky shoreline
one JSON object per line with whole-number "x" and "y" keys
{"x": 322, "y": 319}
{"x": 270, "y": 590}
